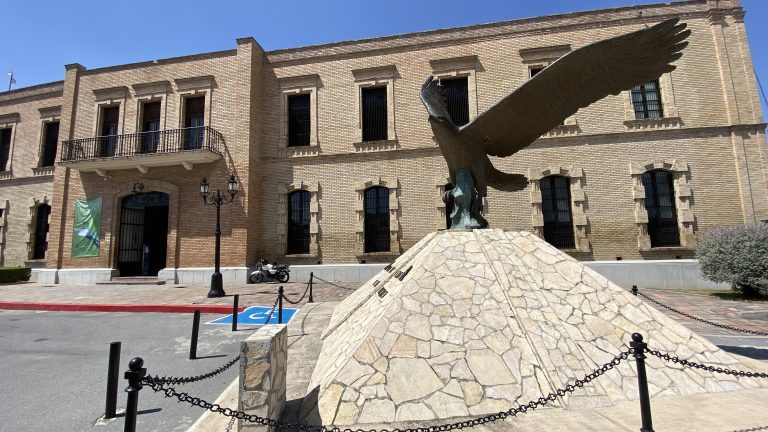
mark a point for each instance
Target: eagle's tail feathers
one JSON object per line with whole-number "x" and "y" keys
{"x": 506, "y": 182}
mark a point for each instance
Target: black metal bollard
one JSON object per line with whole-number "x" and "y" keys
{"x": 113, "y": 375}
{"x": 195, "y": 331}
{"x": 280, "y": 305}
{"x": 311, "y": 276}
{"x": 234, "y": 312}
{"x": 642, "y": 382}
{"x": 134, "y": 375}
{"x": 634, "y": 289}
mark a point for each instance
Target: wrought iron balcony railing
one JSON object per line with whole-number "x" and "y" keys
{"x": 143, "y": 143}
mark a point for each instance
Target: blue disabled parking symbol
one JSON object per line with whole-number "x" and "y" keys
{"x": 256, "y": 315}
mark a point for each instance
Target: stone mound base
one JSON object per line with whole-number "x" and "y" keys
{"x": 475, "y": 322}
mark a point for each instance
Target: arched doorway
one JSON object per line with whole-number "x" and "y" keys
{"x": 143, "y": 245}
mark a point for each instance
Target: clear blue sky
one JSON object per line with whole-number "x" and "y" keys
{"x": 40, "y": 37}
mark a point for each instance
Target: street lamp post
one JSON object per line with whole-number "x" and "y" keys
{"x": 218, "y": 199}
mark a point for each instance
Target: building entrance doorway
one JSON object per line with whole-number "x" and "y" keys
{"x": 143, "y": 244}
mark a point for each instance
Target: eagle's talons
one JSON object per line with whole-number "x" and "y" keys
{"x": 467, "y": 204}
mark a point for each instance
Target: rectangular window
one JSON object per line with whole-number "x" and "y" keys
{"x": 376, "y": 220}
{"x": 150, "y": 125}
{"x": 457, "y": 99}
{"x": 298, "y": 222}
{"x": 374, "y": 113}
{"x": 5, "y": 148}
{"x": 556, "y": 209}
{"x": 646, "y": 99}
{"x": 50, "y": 142}
{"x": 299, "y": 122}
{"x": 535, "y": 70}
{"x": 660, "y": 204}
{"x": 194, "y": 122}
{"x": 41, "y": 231}
{"x": 110, "y": 117}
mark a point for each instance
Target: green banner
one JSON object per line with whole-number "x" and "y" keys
{"x": 87, "y": 230}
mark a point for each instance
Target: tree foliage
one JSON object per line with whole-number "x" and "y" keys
{"x": 736, "y": 255}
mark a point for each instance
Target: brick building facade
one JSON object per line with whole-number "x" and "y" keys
{"x": 295, "y": 129}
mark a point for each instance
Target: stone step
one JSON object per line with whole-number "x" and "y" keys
{"x": 133, "y": 280}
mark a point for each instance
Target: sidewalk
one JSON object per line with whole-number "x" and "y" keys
{"x": 155, "y": 298}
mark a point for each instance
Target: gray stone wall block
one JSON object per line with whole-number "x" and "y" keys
{"x": 263, "y": 375}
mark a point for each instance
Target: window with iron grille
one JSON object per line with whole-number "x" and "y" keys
{"x": 50, "y": 142}
{"x": 376, "y": 219}
{"x": 646, "y": 99}
{"x": 374, "y": 113}
{"x": 298, "y": 120}
{"x": 660, "y": 204}
{"x": 5, "y": 148}
{"x": 41, "y": 231}
{"x": 298, "y": 222}
{"x": 556, "y": 208}
{"x": 457, "y": 99}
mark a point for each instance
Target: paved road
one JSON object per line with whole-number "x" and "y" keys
{"x": 55, "y": 365}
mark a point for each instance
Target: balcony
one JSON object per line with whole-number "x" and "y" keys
{"x": 186, "y": 147}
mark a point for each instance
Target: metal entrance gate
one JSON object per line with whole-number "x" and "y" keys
{"x": 143, "y": 231}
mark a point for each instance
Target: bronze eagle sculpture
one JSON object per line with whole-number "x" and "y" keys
{"x": 574, "y": 81}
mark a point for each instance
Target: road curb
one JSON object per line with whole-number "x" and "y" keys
{"x": 97, "y": 307}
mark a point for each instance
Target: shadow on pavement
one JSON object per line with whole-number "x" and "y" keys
{"x": 751, "y": 352}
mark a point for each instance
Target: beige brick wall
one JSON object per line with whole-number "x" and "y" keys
{"x": 24, "y": 184}
{"x": 712, "y": 137}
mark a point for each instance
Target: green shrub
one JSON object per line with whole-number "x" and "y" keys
{"x": 14, "y": 274}
{"x": 736, "y": 255}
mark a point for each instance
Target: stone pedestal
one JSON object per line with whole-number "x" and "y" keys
{"x": 475, "y": 322}
{"x": 262, "y": 375}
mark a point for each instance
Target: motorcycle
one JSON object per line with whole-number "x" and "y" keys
{"x": 266, "y": 272}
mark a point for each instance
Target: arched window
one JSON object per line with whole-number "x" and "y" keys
{"x": 660, "y": 204}
{"x": 556, "y": 208}
{"x": 298, "y": 222}
{"x": 376, "y": 219}
{"x": 41, "y": 231}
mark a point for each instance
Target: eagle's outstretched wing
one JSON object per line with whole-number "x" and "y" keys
{"x": 574, "y": 81}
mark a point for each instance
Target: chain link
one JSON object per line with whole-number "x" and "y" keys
{"x": 187, "y": 380}
{"x": 723, "y": 326}
{"x": 720, "y": 370}
{"x": 271, "y": 311}
{"x": 512, "y": 412}
{"x": 333, "y": 284}
{"x": 306, "y": 290}
{"x": 752, "y": 429}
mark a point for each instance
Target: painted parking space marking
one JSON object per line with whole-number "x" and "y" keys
{"x": 256, "y": 315}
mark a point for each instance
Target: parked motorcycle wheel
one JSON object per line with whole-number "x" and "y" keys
{"x": 256, "y": 278}
{"x": 283, "y": 277}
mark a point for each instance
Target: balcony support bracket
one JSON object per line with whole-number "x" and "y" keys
{"x": 142, "y": 169}
{"x": 187, "y": 165}
{"x": 101, "y": 172}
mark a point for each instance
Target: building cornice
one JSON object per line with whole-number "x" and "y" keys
{"x": 615, "y": 17}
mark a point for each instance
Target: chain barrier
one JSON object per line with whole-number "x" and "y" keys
{"x": 720, "y": 370}
{"x": 753, "y": 429}
{"x": 723, "y": 326}
{"x": 230, "y": 425}
{"x": 306, "y": 290}
{"x": 271, "y": 311}
{"x": 333, "y": 284}
{"x": 512, "y": 412}
{"x": 187, "y": 380}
